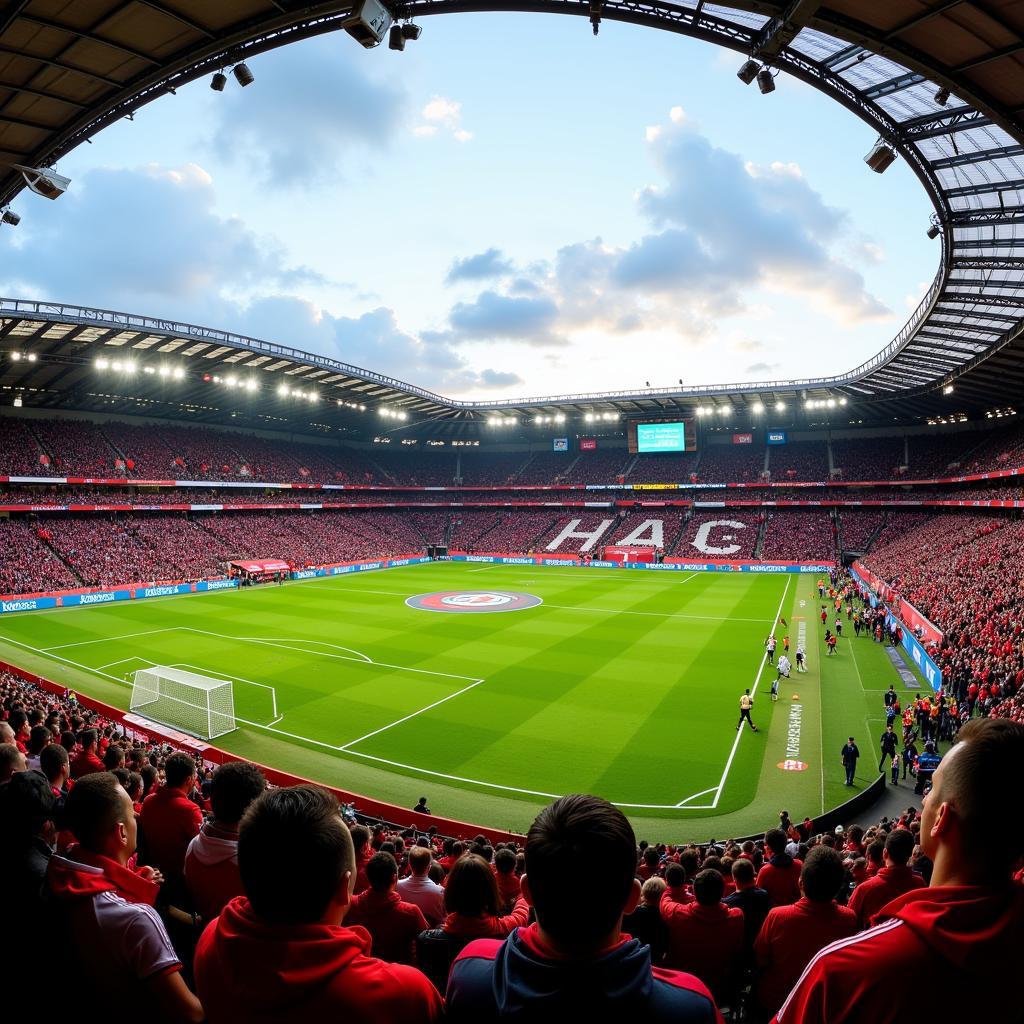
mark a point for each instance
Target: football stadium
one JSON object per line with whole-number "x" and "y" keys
{"x": 399, "y": 622}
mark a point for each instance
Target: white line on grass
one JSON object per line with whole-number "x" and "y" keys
{"x": 660, "y": 615}
{"x": 703, "y": 792}
{"x": 361, "y": 590}
{"x": 124, "y": 661}
{"x": 753, "y": 690}
{"x": 399, "y": 721}
{"x": 123, "y": 636}
{"x": 359, "y": 656}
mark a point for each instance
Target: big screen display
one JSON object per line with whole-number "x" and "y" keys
{"x": 661, "y": 437}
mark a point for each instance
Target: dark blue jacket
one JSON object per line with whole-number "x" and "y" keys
{"x": 513, "y": 980}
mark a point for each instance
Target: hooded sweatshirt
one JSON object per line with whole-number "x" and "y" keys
{"x": 211, "y": 869}
{"x": 964, "y": 941}
{"x": 117, "y": 937}
{"x": 781, "y": 877}
{"x": 522, "y": 979}
{"x": 247, "y": 969}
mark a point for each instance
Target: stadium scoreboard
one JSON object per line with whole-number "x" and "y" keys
{"x": 663, "y": 435}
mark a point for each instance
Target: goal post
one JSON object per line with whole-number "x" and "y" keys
{"x": 200, "y": 705}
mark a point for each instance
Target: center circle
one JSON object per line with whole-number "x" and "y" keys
{"x": 473, "y": 601}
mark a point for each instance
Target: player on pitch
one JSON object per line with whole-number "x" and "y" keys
{"x": 746, "y": 703}
{"x": 783, "y": 669}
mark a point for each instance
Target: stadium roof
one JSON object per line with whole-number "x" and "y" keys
{"x": 942, "y": 81}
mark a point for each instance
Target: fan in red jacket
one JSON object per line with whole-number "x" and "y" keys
{"x": 392, "y": 923}
{"x": 281, "y": 953}
{"x": 963, "y": 934}
{"x": 792, "y": 934}
{"x": 780, "y": 876}
{"x": 706, "y": 938}
{"x": 86, "y": 761}
{"x": 891, "y": 881}
{"x": 169, "y": 819}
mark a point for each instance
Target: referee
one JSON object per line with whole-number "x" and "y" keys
{"x": 746, "y": 703}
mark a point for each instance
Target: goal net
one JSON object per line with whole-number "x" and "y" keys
{"x": 193, "y": 703}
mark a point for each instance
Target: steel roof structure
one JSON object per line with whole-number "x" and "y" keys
{"x": 941, "y": 81}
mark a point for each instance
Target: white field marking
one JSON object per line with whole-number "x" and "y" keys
{"x": 354, "y": 753}
{"x": 124, "y": 661}
{"x": 123, "y": 636}
{"x": 660, "y": 615}
{"x": 486, "y": 568}
{"x": 582, "y": 575}
{"x": 324, "y": 654}
{"x": 361, "y": 590}
{"x": 703, "y": 792}
{"x": 359, "y": 656}
{"x": 216, "y": 673}
{"x": 399, "y": 721}
{"x": 753, "y": 690}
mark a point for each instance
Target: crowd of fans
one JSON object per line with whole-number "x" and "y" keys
{"x": 724, "y": 539}
{"x": 798, "y": 460}
{"x": 725, "y": 463}
{"x": 200, "y": 893}
{"x": 27, "y": 564}
{"x": 858, "y": 526}
{"x": 660, "y": 468}
{"x": 868, "y": 458}
{"x": 804, "y": 536}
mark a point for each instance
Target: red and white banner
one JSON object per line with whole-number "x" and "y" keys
{"x": 268, "y": 565}
{"x": 742, "y": 438}
{"x": 588, "y": 444}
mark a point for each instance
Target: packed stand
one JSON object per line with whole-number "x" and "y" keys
{"x": 726, "y": 533}
{"x": 545, "y": 468}
{"x": 593, "y": 529}
{"x": 731, "y": 463}
{"x": 1002, "y": 449}
{"x": 858, "y": 526}
{"x": 802, "y": 536}
{"x": 20, "y": 454}
{"x": 798, "y": 460}
{"x": 145, "y": 453}
{"x": 599, "y": 467}
{"x": 490, "y": 469}
{"x": 868, "y": 458}
{"x": 78, "y": 448}
{"x": 418, "y": 468}
{"x": 935, "y": 456}
{"x": 650, "y": 527}
{"x": 27, "y": 563}
{"x": 517, "y": 532}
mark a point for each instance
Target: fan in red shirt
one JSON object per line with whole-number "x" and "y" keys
{"x": 169, "y": 819}
{"x": 966, "y": 930}
{"x": 86, "y": 761}
{"x": 706, "y": 938}
{"x": 791, "y": 935}
{"x": 780, "y": 875}
{"x": 891, "y": 881}
{"x": 281, "y": 953}
{"x": 392, "y": 923}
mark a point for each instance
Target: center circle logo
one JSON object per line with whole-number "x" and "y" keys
{"x": 473, "y": 601}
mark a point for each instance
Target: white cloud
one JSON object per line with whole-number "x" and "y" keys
{"x": 441, "y": 113}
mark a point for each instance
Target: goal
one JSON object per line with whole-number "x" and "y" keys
{"x": 193, "y": 703}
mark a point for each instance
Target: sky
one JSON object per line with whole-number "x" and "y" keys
{"x": 511, "y": 207}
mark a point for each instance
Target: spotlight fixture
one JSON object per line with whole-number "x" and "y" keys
{"x": 748, "y": 71}
{"x": 942, "y": 96}
{"x": 948, "y": 389}
{"x": 17, "y": 402}
{"x": 934, "y": 227}
{"x": 396, "y": 41}
{"x": 880, "y": 156}
{"x": 10, "y": 217}
{"x": 218, "y": 81}
{"x": 765, "y": 81}
{"x": 757, "y": 407}
{"x": 243, "y": 76}
{"x": 780, "y": 406}
{"x": 43, "y": 182}
{"x": 410, "y": 31}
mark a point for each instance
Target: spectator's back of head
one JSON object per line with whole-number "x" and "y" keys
{"x": 360, "y": 837}
{"x": 99, "y": 813}
{"x": 293, "y": 851}
{"x": 419, "y": 860}
{"x": 968, "y": 798}
{"x": 580, "y": 867}
{"x": 179, "y": 769}
{"x": 53, "y": 760}
{"x": 234, "y": 786}
{"x": 874, "y": 851}
{"x": 899, "y": 845}
{"x": 26, "y": 804}
{"x": 471, "y": 889}
{"x": 11, "y": 760}
{"x": 775, "y": 839}
{"x": 381, "y": 872}
{"x": 822, "y": 875}
{"x": 87, "y": 738}
{"x": 38, "y": 738}
{"x": 653, "y": 889}
{"x": 708, "y": 887}
{"x": 505, "y": 861}
{"x": 742, "y": 872}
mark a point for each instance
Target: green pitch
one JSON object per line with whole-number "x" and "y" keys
{"x": 620, "y": 683}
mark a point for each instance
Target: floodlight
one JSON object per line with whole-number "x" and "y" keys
{"x": 396, "y": 41}
{"x": 748, "y": 71}
{"x": 178, "y": 373}
{"x": 413, "y": 32}
{"x": 17, "y": 402}
{"x": 880, "y": 156}
{"x": 948, "y": 389}
{"x": 15, "y": 357}
{"x": 250, "y": 385}
{"x": 10, "y": 217}
{"x": 43, "y": 182}
{"x": 765, "y": 81}
{"x": 243, "y": 76}
{"x": 102, "y": 364}
{"x": 780, "y": 406}
{"x": 934, "y": 227}
{"x": 757, "y": 407}
{"x": 218, "y": 81}
{"x": 942, "y": 96}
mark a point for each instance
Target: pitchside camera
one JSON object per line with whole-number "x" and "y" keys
{"x": 369, "y": 24}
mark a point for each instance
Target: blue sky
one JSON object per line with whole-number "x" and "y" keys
{"x": 509, "y": 207}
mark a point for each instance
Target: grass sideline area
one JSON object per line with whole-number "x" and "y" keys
{"x": 620, "y": 683}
